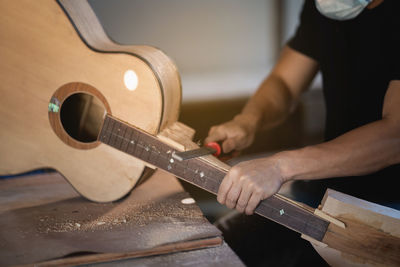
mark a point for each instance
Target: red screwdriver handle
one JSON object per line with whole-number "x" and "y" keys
{"x": 215, "y": 146}
{"x": 220, "y": 154}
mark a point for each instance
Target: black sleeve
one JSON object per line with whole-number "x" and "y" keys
{"x": 395, "y": 75}
{"x": 306, "y": 39}
{"x": 394, "y": 43}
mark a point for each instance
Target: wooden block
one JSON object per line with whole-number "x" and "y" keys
{"x": 329, "y": 218}
{"x": 370, "y": 236}
{"x": 380, "y": 217}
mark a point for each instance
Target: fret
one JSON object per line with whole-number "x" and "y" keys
{"x": 198, "y": 175}
{"x": 178, "y": 167}
{"x": 147, "y": 143}
{"x": 146, "y": 148}
{"x": 111, "y": 142}
{"x": 121, "y": 132}
{"x": 131, "y": 142}
{"x": 126, "y": 140}
{"x": 186, "y": 162}
{"x": 163, "y": 158}
{"x": 109, "y": 130}
{"x": 204, "y": 174}
{"x": 202, "y": 178}
{"x": 116, "y": 135}
{"x": 193, "y": 170}
{"x": 137, "y": 147}
{"x": 104, "y": 134}
{"x": 154, "y": 156}
{"x": 119, "y": 136}
{"x": 212, "y": 183}
{"x": 208, "y": 179}
{"x": 163, "y": 161}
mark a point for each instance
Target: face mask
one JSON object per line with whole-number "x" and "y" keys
{"x": 341, "y": 9}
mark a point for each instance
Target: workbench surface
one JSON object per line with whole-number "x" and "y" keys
{"x": 42, "y": 218}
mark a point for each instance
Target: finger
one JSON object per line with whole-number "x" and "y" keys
{"x": 253, "y": 202}
{"x": 223, "y": 189}
{"x": 244, "y": 198}
{"x": 228, "y": 145}
{"x": 215, "y": 134}
{"x": 233, "y": 195}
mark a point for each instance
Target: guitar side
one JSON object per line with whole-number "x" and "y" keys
{"x": 41, "y": 51}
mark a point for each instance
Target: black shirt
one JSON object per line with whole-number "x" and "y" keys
{"x": 357, "y": 58}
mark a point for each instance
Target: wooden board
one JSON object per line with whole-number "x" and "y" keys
{"x": 42, "y": 218}
{"x": 374, "y": 226}
{"x": 113, "y": 257}
{"x": 211, "y": 257}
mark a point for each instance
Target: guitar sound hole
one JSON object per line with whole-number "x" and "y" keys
{"x": 81, "y": 116}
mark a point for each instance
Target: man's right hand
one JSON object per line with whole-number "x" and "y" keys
{"x": 271, "y": 104}
{"x": 236, "y": 134}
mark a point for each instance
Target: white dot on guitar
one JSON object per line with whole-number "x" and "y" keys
{"x": 131, "y": 80}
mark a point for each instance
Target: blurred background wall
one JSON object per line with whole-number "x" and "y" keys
{"x": 223, "y": 50}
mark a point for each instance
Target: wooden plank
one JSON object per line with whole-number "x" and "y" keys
{"x": 380, "y": 217}
{"x": 160, "y": 250}
{"x": 42, "y": 218}
{"x": 370, "y": 236}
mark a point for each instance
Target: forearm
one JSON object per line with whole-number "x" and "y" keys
{"x": 280, "y": 91}
{"x": 363, "y": 150}
{"x": 270, "y": 105}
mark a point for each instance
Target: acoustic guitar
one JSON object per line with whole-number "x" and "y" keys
{"x": 73, "y": 100}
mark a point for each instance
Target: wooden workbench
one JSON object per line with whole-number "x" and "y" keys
{"x": 42, "y": 219}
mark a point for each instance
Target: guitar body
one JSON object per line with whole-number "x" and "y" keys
{"x": 41, "y": 51}
{"x": 68, "y": 106}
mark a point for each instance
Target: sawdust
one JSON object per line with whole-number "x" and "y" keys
{"x": 104, "y": 217}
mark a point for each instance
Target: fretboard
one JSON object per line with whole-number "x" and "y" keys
{"x": 203, "y": 174}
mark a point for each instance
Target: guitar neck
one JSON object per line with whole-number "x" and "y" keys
{"x": 204, "y": 174}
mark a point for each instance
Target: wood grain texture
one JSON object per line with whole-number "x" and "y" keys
{"x": 41, "y": 51}
{"x": 88, "y": 25}
{"x": 43, "y": 218}
{"x": 161, "y": 250}
{"x": 61, "y": 94}
{"x": 371, "y": 236}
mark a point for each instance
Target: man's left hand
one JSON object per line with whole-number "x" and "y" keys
{"x": 249, "y": 182}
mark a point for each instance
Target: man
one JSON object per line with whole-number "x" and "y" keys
{"x": 355, "y": 44}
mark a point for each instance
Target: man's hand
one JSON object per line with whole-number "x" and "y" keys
{"x": 236, "y": 134}
{"x": 249, "y": 182}
{"x": 271, "y": 104}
